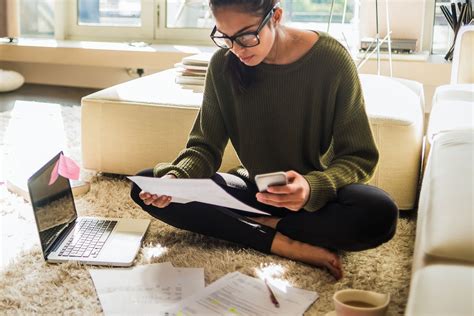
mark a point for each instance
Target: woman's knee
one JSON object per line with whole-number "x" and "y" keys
{"x": 367, "y": 196}
{"x": 145, "y": 173}
{"x": 385, "y": 204}
{"x": 381, "y": 211}
{"x": 384, "y": 215}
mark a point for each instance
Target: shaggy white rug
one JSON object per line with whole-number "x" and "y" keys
{"x": 28, "y": 285}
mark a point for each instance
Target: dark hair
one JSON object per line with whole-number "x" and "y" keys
{"x": 242, "y": 75}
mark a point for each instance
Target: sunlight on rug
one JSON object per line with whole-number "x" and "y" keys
{"x": 35, "y": 133}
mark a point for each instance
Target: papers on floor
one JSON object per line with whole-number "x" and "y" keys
{"x": 161, "y": 289}
{"x": 239, "y": 294}
{"x": 187, "y": 190}
{"x": 145, "y": 290}
{"x": 192, "y": 69}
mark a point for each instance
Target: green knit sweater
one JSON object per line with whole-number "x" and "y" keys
{"x": 307, "y": 116}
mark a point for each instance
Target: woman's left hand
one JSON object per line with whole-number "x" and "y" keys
{"x": 293, "y": 196}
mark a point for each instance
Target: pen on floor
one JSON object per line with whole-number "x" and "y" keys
{"x": 272, "y": 295}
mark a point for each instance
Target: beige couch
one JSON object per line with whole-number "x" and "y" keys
{"x": 134, "y": 125}
{"x": 443, "y": 266}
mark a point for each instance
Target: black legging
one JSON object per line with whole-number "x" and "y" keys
{"x": 361, "y": 217}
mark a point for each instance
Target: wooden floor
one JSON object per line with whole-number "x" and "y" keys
{"x": 43, "y": 93}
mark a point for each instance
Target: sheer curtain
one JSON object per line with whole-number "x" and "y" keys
{"x": 9, "y": 26}
{"x": 3, "y": 18}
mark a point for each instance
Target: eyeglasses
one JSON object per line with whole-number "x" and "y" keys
{"x": 246, "y": 39}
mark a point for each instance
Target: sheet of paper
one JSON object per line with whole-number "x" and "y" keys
{"x": 199, "y": 190}
{"x": 145, "y": 290}
{"x": 239, "y": 294}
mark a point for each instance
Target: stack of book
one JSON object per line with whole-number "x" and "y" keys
{"x": 192, "y": 69}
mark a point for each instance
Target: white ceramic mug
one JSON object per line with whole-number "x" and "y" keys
{"x": 360, "y": 303}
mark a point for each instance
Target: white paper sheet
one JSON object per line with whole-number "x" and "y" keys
{"x": 187, "y": 190}
{"x": 239, "y": 294}
{"x": 145, "y": 290}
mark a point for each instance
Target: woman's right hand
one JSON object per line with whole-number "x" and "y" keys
{"x": 160, "y": 201}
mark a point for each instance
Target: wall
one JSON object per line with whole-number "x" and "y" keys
{"x": 88, "y": 64}
{"x": 76, "y": 76}
{"x": 406, "y": 19}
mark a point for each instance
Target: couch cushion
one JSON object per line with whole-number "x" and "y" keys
{"x": 446, "y": 198}
{"x": 452, "y": 109}
{"x": 391, "y": 100}
{"x": 442, "y": 290}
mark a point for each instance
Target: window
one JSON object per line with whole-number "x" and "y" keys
{"x": 36, "y": 18}
{"x": 188, "y": 14}
{"x": 109, "y": 12}
{"x": 109, "y": 20}
{"x": 304, "y": 14}
{"x": 300, "y": 13}
{"x": 442, "y": 33}
{"x": 315, "y": 15}
{"x": 190, "y": 21}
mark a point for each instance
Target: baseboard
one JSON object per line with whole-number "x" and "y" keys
{"x": 73, "y": 75}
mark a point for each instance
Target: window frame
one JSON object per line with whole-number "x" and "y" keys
{"x": 177, "y": 35}
{"x": 154, "y": 30}
{"x": 74, "y": 31}
{"x": 428, "y": 26}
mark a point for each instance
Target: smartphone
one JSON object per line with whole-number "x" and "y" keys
{"x": 266, "y": 180}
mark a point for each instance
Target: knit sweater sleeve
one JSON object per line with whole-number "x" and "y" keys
{"x": 202, "y": 156}
{"x": 355, "y": 153}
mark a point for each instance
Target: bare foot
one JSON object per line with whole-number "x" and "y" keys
{"x": 266, "y": 221}
{"x": 300, "y": 251}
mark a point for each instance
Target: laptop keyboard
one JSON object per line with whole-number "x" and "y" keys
{"x": 88, "y": 238}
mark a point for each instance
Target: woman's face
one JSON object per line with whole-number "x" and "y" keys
{"x": 231, "y": 21}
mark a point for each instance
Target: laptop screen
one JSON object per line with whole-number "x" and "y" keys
{"x": 53, "y": 205}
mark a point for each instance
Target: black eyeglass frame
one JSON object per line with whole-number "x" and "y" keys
{"x": 235, "y": 38}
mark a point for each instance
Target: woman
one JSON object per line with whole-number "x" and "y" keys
{"x": 289, "y": 100}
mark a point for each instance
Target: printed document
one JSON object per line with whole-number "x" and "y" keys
{"x": 187, "y": 190}
{"x": 239, "y": 294}
{"x": 145, "y": 290}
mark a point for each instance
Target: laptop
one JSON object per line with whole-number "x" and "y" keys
{"x": 66, "y": 237}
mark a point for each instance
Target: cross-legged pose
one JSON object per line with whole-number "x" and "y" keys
{"x": 289, "y": 100}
